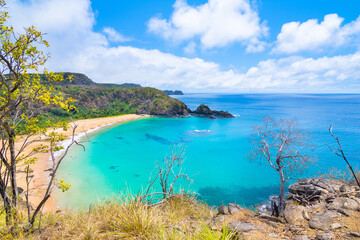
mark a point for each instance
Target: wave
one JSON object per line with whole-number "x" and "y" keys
{"x": 201, "y": 131}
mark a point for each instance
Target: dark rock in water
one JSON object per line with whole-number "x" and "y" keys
{"x": 119, "y": 138}
{"x": 112, "y": 167}
{"x": 158, "y": 139}
{"x": 205, "y": 111}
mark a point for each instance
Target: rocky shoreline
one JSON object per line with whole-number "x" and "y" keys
{"x": 316, "y": 208}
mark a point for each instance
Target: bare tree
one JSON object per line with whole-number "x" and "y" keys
{"x": 169, "y": 171}
{"x": 285, "y": 148}
{"x": 340, "y": 153}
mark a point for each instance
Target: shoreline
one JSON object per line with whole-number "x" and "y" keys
{"x": 43, "y": 163}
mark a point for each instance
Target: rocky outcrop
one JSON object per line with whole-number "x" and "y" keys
{"x": 323, "y": 220}
{"x": 334, "y": 213}
{"x": 204, "y": 111}
{"x": 314, "y": 189}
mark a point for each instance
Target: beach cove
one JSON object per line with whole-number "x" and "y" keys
{"x": 41, "y": 176}
{"x": 121, "y": 159}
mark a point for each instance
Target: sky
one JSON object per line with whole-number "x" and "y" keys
{"x": 221, "y": 46}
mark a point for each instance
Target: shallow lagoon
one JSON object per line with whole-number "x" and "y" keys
{"x": 121, "y": 158}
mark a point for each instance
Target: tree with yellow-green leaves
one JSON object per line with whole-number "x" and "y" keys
{"x": 23, "y": 97}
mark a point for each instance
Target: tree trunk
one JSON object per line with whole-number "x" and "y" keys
{"x": 14, "y": 188}
{"x": 282, "y": 191}
{"x": 7, "y": 204}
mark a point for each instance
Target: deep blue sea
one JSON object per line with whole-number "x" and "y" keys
{"x": 120, "y": 159}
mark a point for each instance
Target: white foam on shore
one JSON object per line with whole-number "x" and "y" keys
{"x": 77, "y": 138}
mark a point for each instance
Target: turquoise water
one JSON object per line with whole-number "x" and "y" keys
{"x": 123, "y": 157}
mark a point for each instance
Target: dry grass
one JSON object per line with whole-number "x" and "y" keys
{"x": 180, "y": 217}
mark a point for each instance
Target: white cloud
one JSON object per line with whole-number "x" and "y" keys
{"x": 296, "y": 74}
{"x": 312, "y": 35}
{"x": 190, "y": 48}
{"x": 77, "y": 48}
{"x": 217, "y": 23}
{"x": 114, "y": 36}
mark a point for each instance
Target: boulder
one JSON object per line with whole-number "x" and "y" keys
{"x": 240, "y": 227}
{"x": 345, "y": 188}
{"x": 313, "y": 189}
{"x": 294, "y": 214}
{"x": 335, "y": 226}
{"x": 233, "y": 208}
{"x": 344, "y": 203}
{"x": 325, "y": 236}
{"x": 223, "y": 210}
{"x": 322, "y": 220}
{"x": 270, "y": 218}
{"x": 271, "y": 235}
{"x": 302, "y": 237}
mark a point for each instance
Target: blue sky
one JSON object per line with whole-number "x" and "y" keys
{"x": 203, "y": 45}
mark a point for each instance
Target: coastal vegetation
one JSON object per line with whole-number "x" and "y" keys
{"x": 95, "y": 100}
{"x": 24, "y": 99}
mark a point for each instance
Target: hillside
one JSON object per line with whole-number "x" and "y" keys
{"x": 80, "y": 79}
{"x": 101, "y": 100}
{"x": 94, "y": 101}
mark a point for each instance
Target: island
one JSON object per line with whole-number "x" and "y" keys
{"x": 204, "y": 111}
{"x": 171, "y": 92}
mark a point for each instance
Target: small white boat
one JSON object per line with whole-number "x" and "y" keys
{"x": 201, "y": 131}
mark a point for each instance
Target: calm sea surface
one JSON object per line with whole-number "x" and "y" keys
{"x": 121, "y": 158}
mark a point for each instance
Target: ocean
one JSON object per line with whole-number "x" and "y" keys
{"x": 120, "y": 159}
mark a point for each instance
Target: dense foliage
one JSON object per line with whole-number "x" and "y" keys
{"x": 94, "y": 101}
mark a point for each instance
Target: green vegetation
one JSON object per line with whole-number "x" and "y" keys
{"x": 102, "y": 100}
{"x": 94, "y": 101}
{"x": 180, "y": 217}
{"x": 123, "y": 85}
{"x": 23, "y": 98}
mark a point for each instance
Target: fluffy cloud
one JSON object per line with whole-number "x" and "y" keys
{"x": 167, "y": 71}
{"x": 311, "y": 35}
{"x": 77, "y": 48}
{"x": 296, "y": 74}
{"x": 114, "y": 36}
{"x": 217, "y": 23}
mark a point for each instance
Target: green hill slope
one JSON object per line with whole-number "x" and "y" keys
{"x": 95, "y": 101}
{"x": 102, "y": 100}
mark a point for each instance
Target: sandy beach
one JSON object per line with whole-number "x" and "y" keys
{"x": 41, "y": 175}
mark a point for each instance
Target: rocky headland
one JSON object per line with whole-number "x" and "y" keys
{"x": 204, "y": 111}
{"x": 316, "y": 208}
